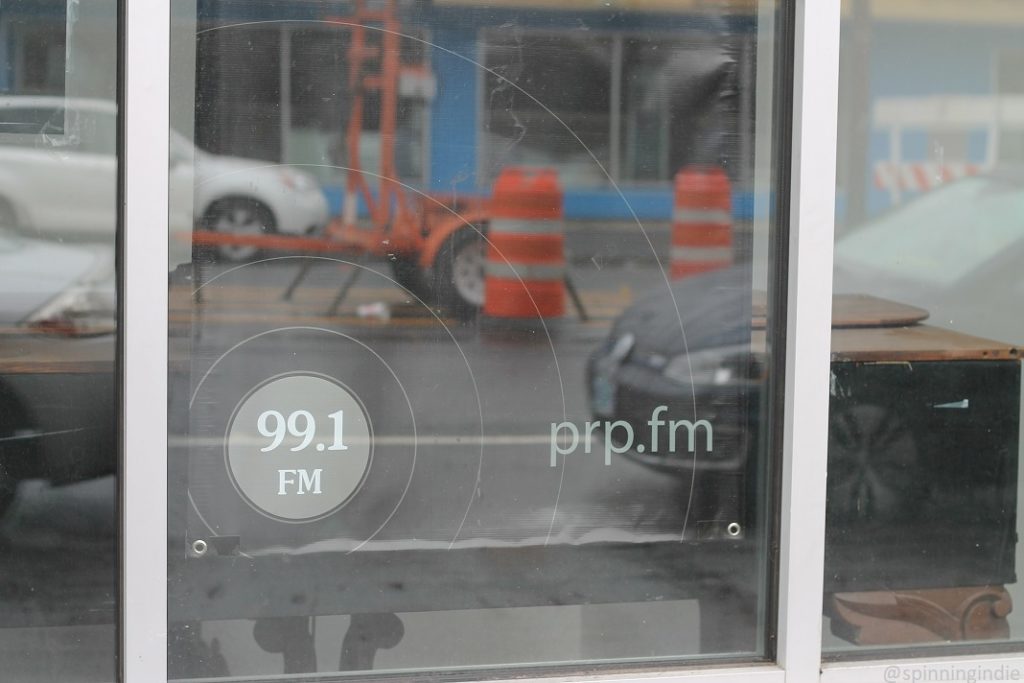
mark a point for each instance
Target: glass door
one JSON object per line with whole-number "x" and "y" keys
{"x": 510, "y": 416}
{"x": 58, "y": 339}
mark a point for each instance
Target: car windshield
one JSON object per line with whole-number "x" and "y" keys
{"x": 10, "y": 243}
{"x": 943, "y": 236}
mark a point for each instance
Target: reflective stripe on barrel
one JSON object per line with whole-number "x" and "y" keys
{"x": 701, "y": 222}
{"x": 525, "y": 269}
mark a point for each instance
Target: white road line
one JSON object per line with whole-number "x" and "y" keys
{"x": 404, "y": 440}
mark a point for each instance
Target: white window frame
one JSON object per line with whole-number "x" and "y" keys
{"x": 146, "y": 35}
{"x": 143, "y": 632}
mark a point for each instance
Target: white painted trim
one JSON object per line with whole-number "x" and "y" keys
{"x": 530, "y": 272}
{"x": 615, "y": 115}
{"x": 949, "y": 112}
{"x": 722, "y": 216}
{"x": 527, "y": 226}
{"x": 284, "y": 67}
{"x": 145, "y": 299}
{"x": 766, "y": 673}
{"x": 808, "y": 337}
{"x": 932, "y": 669}
{"x": 698, "y": 254}
{"x": 144, "y": 295}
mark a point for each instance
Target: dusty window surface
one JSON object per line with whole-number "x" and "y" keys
{"x": 58, "y": 458}
{"x": 923, "y": 481}
{"x": 528, "y": 70}
{"x": 468, "y": 336}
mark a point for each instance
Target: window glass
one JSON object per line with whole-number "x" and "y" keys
{"x": 444, "y": 395}
{"x": 924, "y": 241}
{"x": 1010, "y": 82}
{"x": 278, "y": 91}
{"x": 36, "y": 63}
{"x": 32, "y": 122}
{"x": 560, "y": 111}
{"x": 925, "y": 413}
{"x": 58, "y": 445}
{"x": 677, "y": 106}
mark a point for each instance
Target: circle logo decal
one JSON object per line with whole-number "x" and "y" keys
{"x": 299, "y": 446}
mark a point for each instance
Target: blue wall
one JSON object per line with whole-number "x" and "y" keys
{"x": 455, "y": 114}
{"x": 453, "y": 123}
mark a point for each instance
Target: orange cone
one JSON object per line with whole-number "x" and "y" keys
{"x": 525, "y": 270}
{"x": 701, "y": 222}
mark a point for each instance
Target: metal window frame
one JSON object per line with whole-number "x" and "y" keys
{"x": 143, "y": 204}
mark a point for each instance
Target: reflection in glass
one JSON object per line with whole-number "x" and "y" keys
{"x": 58, "y": 458}
{"x": 921, "y": 546}
{"x": 468, "y": 417}
{"x": 678, "y": 106}
{"x": 543, "y": 91}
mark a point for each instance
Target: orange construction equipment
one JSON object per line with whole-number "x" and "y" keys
{"x": 435, "y": 243}
{"x": 429, "y": 239}
{"x": 701, "y": 221}
{"x": 412, "y": 229}
{"x": 525, "y": 271}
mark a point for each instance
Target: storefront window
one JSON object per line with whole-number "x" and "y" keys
{"x": 921, "y": 547}
{"x": 459, "y": 427}
{"x": 278, "y": 91}
{"x": 645, "y": 104}
{"x": 37, "y": 51}
{"x": 58, "y": 437}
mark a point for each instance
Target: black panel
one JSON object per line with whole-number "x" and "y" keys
{"x": 922, "y": 485}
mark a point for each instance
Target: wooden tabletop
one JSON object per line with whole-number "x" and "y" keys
{"x": 914, "y": 343}
{"x": 869, "y": 329}
{"x": 864, "y": 329}
{"x": 856, "y": 310}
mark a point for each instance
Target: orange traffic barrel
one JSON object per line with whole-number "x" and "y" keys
{"x": 525, "y": 268}
{"x": 701, "y": 221}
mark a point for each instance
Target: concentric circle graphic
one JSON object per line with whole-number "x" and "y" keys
{"x": 299, "y": 446}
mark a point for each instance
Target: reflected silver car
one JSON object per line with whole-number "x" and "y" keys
{"x": 53, "y": 287}
{"x": 70, "y": 143}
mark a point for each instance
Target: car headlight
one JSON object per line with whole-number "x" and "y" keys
{"x": 718, "y": 365}
{"x": 88, "y": 308}
{"x": 297, "y": 180}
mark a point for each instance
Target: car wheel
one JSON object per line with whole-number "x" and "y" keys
{"x": 459, "y": 273}
{"x": 239, "y": 216}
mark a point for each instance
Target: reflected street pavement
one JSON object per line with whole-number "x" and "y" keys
{"x": 461, "y": 493}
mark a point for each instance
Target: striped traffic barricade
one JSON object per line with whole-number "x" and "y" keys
{"x": 701, "y": 221}
{"x": 525, "y": 269}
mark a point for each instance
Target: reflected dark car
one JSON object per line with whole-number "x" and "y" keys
{"x": 56, "y": 362}
{"x": 689, "y": 347}
{"x": 923, "y": 441}
{"x": 677, "y": 386}
{"x": 56, "y": 410}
